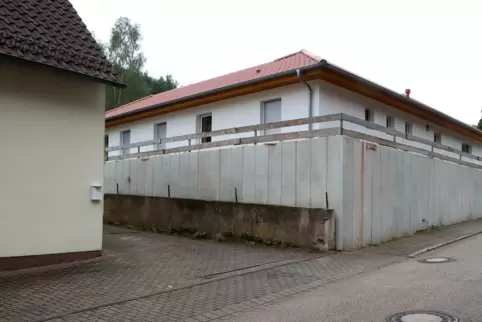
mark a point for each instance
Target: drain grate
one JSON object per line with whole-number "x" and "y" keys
{"x": 422, "y": 316}
{"x": 436, "y": 260}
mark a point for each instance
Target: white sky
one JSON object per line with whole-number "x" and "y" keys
{"x": 433, "y": 47}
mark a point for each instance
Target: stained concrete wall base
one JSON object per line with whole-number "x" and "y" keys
{"x": 298, "y": 226}
{"x": 24, "y": 262}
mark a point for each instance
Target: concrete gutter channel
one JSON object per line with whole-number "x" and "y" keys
{"x": 442, "y": 244}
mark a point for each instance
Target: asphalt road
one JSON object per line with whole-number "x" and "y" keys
{"x": 454, "y": 288}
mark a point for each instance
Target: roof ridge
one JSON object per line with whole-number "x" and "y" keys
{"x": 289, "y": 55}
{"x": 311, "y": 55}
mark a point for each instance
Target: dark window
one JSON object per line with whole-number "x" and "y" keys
{"x": 437, "y": 138}
{"x": 466, "y": 148}
{"x": 408, "y": 128}
{"x": 160, "y": 133}
{"x": 126, "y": 139}
{"x": 205, "y": 125}
{"x": 427, "y": 127}
{"x": 390, "y": 122}
{"x": 106, "y": 145}
{"x": 368, "y": 115}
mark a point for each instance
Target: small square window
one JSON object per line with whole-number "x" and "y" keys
{"x": 427, "y": 127}
{"x": 466, "y": 148}
{"x": 390, "y": 122}
{"x": 408, "y": 128}
{"x": 368, "y": 115}
{"x": 437, "y": 138}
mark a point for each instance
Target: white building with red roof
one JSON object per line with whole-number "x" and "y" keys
{"x": 388, "y": 165}
{"x": 295, "y": 86}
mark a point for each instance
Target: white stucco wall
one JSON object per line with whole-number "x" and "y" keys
{"x": 327, "y": 99}
{"x": 240, "y": 111}
{"x": 334, "y": 99}
{"x": 51, "y": 129}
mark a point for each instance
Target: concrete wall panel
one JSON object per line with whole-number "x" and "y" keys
{"x": 288, "y": 179}
{"x": 318, "y": 173}
{"x": 334, "y": 186}
{"x": 261, "y": 177}
{"x": 193, "y": 173}
{"x": 249, "y": 173}
{"x": 274, "y": 175}
{"x": 209, "y": 174}
{"x": 303, "y": 173}
{"x": 367, "y": 172}
{"x": 226, "y": 192}
{"x": 184, "y": 180}
{"x": 237, "y": 172}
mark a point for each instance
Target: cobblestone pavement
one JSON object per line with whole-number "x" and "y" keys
{"x": 152, "y": 277}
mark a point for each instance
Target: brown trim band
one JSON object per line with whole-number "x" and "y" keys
{"x": 21, "y": 262}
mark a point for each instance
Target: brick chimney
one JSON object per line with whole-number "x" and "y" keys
{"x": 407, "y": 92}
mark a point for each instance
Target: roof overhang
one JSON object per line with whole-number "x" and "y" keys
{"x": 322, "y": 70}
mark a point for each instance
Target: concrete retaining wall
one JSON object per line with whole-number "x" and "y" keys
{"x": 377, "y": 193}
{"x": 298, "y": 226}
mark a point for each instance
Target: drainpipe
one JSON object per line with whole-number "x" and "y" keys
{"x": 310, "y": 105}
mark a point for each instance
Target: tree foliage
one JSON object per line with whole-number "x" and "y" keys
{"x": 479, "y": 125}
{"x": 124, "y": 52}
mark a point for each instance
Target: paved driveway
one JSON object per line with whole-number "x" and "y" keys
{"x": 152, "y": 277}
{"x": 134, "y": 265}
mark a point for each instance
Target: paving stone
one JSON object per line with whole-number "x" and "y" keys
{"x": 150, "y": 277}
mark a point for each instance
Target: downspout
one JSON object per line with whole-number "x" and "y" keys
{"x": 310, "y": 104}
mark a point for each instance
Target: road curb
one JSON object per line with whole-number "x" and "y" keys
{"x": 448, "y": 242}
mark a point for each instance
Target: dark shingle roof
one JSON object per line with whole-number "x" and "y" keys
{"x": 50, "y": 32}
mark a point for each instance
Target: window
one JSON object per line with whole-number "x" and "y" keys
{"x": 160, "y": 133}
{"x": 106, "y": 145}
{"x": 408, "y": 128}
{"x": 368, "y": 115}
{"x": 390, "y": 122}
{"x": 466, "y": 148}
{"x": 427, "y": 127}
{"x": 437, "y": 138}
{"x": 270, "y": 113}
{"x": 205, "y": 124}
{"x": 124, "y": 140}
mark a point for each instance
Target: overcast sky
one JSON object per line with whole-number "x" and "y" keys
{"x": 431, "y": 46}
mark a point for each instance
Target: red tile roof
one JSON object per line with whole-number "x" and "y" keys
{"x": 50, "y": 32}
{"x": 293, "y": 61}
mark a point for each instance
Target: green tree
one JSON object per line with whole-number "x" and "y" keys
{"x": 479, "y": 125}
{"x": 124, "y": 51}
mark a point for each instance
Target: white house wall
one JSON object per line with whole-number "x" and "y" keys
{"x": 51, "y": 125}
{"x": 327, "y": 99}
{"x": 334, "y": 99}
{"x": 235, "y": 112}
